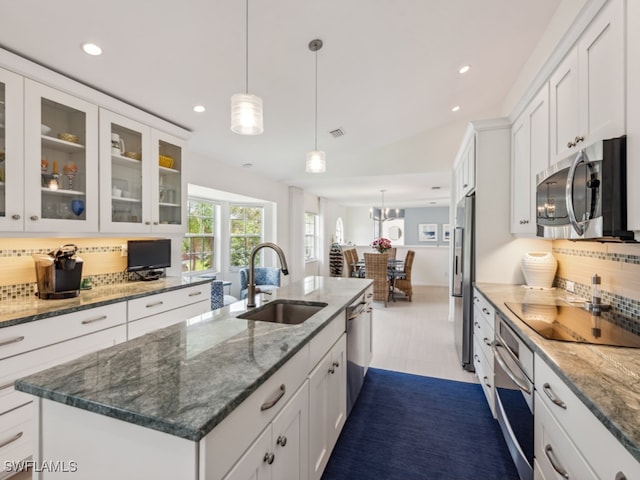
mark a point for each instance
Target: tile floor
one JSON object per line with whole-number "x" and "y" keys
{"x": 412, "y": 337}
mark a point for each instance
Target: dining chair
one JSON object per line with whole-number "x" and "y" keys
{"x": 403, "y": 283}
{"x": 392, "y": 253}
{"x": 375, "y": 266}
{"x": 348, "y": 259}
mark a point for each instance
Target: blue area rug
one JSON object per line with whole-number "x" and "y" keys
{"x": 408, "y": 427}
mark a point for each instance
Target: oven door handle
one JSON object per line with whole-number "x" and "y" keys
{"x": 356, "y": 311}
{"x": 522, "y": 385}
{"x": 581, "y": 157}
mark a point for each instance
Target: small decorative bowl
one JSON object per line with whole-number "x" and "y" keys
{"x": 133, "y": 155}
{"x": 165, "y": 161}
{"x": 68, "y": 137}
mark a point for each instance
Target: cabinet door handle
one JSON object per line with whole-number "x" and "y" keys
{"x": 34, "y": 217}
{"x": 553, "y": 397}
{"x": 476, "y": 324}
{"x": 155, "y": 304}
{"x": 486, "y": 341}
{"x": 465, "y": 185}
{"x": 11, "y": 440}
{"x": 548, "y": 451}
{"x": 332, "y": 370}
{"x": 336, "y": 364}
{"x": 195, "y": 294}
{"x": 156, "y": 223}
{"x": 486, "y": 381}
{"x": 485, "y": 311}
{"x": 269, "y": 457}
{"x": 147, "y": 223}
{"x": 578, "y": 139}
{"x": 93, "y": 320}
{"x": 270, "y": 403}
{"x": 571, "y": 145}
{"x": 15, "y": 216}
{"x": 282, "y": 440}
{"x": 12, "y": 340}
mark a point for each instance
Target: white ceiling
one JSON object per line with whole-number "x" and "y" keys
{"x": 387, "y": 75}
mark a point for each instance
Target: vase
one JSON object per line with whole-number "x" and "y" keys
{"x": 539, "y": 269}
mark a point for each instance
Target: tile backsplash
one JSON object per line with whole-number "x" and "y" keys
{"x": 618, "y": 265}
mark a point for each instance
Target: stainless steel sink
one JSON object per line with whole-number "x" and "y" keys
{"x": 289, "y": 312}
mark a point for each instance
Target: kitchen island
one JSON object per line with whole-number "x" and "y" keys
{"x": 178, "y": 402}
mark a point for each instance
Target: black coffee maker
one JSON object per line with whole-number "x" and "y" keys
{"x": 59, "y": 273}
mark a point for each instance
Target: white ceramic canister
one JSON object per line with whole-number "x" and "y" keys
{"x": 539, "y": 269}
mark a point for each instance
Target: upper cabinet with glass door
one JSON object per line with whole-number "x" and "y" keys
{"x": 141, "y": 181}
{"x": 61, "y": 161}
{"x": 11, "y": 152}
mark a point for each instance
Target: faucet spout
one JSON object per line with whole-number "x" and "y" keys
{"x": 251, "y": 295}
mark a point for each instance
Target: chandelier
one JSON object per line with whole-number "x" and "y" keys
{"x": 383, "y": 214}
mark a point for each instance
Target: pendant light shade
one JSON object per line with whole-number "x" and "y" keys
{"x": 246, "y": 109}
{"x": 316, "y": 159}
{"x": 246, "y": 114}
{"x": 316, "y": 162}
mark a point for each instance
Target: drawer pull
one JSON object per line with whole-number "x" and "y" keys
{"x": 11, "y": 440}
{"x": 485, "y": 311}
{"x": 195, "y": 294}
{"x": 476, "y": 324}
{"x": 93, "y": 320}
{"x": 486, "y": 341}
{"x": 548, "y": 451}
{"x": 282, "y": 440}
{"x": 155, "y": 304}
{"x": 6, "y": 385}
{"x": 552, "y": 396}
{"x": 13, "y": 340}
{"x": 486, "y": 381}
{"x": 270, "y": 403}
{"x": 269, "y": 457}
{"x": 336, "y": 364}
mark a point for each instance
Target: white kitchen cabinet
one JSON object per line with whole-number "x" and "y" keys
{"x": 138, "y": 327}
{"x": 16, "y": 437}
{"x": 327, "y": 406}
{"x": 587, "y": 89}
{"x": 11, "y": 152}
{"x": 529, "y": 156}
{"x": 633, "y": 115}
{"x": 61, "y": 161}
{"x": 140, "y": 195}
{"x": 575, "y": 435}
{"x": 281, "y": 450}
{"x": 465, "y": 168}
{"x": 483, "y": 337}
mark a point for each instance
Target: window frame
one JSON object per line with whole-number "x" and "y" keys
{"x": 315, "y": 237}
{"x": 260, "y": 237}
{"x": 215, "y": 235}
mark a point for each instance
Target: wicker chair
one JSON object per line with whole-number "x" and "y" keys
{"x": 349, "y": 261}
{"x": 392, "y": 253}
{"x": 375, "y": 265}
{"x": 404, "y": 284}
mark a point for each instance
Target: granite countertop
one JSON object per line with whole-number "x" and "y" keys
{"x": 29, "y": 309}
{"x": 185, "y": 379}
{"x": 606, "y": 379}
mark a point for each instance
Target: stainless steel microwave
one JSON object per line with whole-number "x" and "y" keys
{"x": 584, "y": 197}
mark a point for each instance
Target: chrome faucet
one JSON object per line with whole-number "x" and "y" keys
{"x": 251, "y": 295}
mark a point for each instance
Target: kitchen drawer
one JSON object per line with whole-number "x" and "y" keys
{"x": 485, "y": 373}
{"x": 484, "y": 308}
{"x": 16, "y": 437}
{"x": 483, "y": 332}
{"x": 604, "y": 452}
{"x": 144, "y": 325}
{"x": 323, "y": 341}
{"x": 163, "y": 302}
{"x": 220, "y": 448}
{"x": 18, "y": 339}
{"x": 553, "y": 449}
{"x": 20, "y": 366}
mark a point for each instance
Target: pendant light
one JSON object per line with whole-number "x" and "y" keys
{"x": 246, "y": 109}
{"x": 316, "y": 159}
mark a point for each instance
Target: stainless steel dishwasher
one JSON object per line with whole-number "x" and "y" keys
{"x": 359, "y": 345}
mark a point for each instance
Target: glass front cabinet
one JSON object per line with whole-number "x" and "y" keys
{"x": 61, "y": 161}
{"x": 141, "y": 180}
{"x": 11, "y": 152}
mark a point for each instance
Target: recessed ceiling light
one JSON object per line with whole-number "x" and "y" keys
{"x": 456, "y": 108}
{"x": 199, "y": 108}
{"x": 91, "y": 49}
{"x": 464, "y": 69}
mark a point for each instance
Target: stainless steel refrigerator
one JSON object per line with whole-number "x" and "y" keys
{"x": 463, "y": 277}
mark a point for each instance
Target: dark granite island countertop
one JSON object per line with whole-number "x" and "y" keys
{"x": 24, "y": 310}
{"x": 185, "y": 379}
{"x": 606, "y": 379}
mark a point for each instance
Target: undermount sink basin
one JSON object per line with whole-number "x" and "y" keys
{"x": 289, "y": 312}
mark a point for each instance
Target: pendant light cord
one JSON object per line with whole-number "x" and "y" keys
{"x": 316, "y": 120}
{"x": 246, "y": 44}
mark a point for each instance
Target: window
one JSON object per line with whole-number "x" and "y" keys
{"x": 245, "y": 232}
{"x": 310, "y": 236}
{"x": 198, "y": 253}
{"x": 339, "y": 231}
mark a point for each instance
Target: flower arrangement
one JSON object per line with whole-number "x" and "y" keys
{"x": 381, "y": 244}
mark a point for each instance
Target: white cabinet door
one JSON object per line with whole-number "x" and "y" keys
{"x": 12, "y": 151}
{"x": 291, "y": 438}
{"x": 61, "y": 166}
{"x": 337, "y": 390}
{"x": 563, "y": 94}
{"x": 529, "y": 156}
{"x": 254, "y": 464}
{"x": 601, "y": 82}
{"x": 168, "y": 183}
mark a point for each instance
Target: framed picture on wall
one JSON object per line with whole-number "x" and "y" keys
{"x": 446, "y": 232}
{"x": 427, "y": 232}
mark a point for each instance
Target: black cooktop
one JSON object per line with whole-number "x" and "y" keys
{"x": 574, "y": 324}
